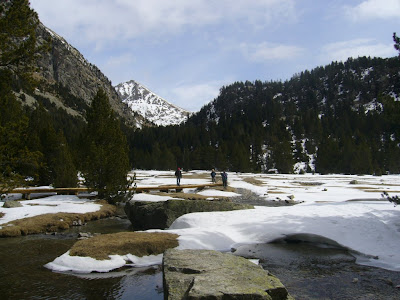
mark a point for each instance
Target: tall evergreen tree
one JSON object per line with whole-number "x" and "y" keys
{"x": 105, "y": 159}
{"x": 18, "y": 47}
{"x": 17, "y": 161}
{"x": 17, "y": 53}
{"x": 57, "y": 166}
{"x": 396, "y": 40}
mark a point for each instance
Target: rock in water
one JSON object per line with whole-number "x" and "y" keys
{"x": 160, "y": 215}
{"x": 208, "y": 274}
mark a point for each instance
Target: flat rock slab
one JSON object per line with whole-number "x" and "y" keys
{"x": 207, "y": 274}
{"x": 12, "y": 204}
{"x": 160, "y": 215}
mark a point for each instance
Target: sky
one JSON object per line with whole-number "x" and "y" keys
{"x": 185, "y": 51}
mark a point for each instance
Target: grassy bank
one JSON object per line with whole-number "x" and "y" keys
{"x": 53, "y": 222}
{"x": 122, "y": 243}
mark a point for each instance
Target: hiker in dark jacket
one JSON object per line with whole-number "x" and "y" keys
{"x": 178, "y": 175}
{"x": 224, "y": 179}
{"x": 213, "y": 175}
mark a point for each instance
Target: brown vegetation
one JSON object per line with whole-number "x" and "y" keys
{"x": 122, "y": 243}
{"x": 191, "y": 196}
{"x": 253, "y": 181}
{"x": 53, "y": 222}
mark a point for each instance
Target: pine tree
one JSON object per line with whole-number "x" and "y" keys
{"x": 18, "y": 46}
{"x": 17, "y": 161}
{"x": 105, "y": 158}
{"x": 65, "y": 173}
{"x": 17, "y": 53}
{"x": 396, "y": 40}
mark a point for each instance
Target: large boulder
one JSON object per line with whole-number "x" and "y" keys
{"x": 207, "y": 274}
{"x": 12, "y": 204}
{"x": 160, "y": 215}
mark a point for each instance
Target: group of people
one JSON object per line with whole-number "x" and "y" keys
{"x": 224, "y": 176}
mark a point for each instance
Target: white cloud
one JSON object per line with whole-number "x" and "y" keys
{"x": 264, "y": 52}
{"x": 341, "y": 51}
{"x": 105, "y": 20}
{"x": 375, "y": 9}
{"x": 193, "y": 96}
{"x": 120, "y": 60}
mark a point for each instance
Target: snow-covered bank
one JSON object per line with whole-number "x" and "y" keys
{"x": 49, "y": 205}
{"x": 79, "y": 264}
{"x": 369, "y": 226}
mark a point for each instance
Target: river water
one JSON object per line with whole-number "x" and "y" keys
{"x": 23, "y": 275}
{"x": 308, "y": 271}
{"x": 313, "y": 272}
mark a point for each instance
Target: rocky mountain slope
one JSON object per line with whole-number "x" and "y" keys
{"x": 149, "y": 105}
{"x": 70, "y": 82}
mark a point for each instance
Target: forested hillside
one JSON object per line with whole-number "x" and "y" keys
{"x": 341, "y": 118}
{"x": 47, "y": 91}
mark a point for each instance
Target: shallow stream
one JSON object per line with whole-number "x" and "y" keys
{"x": 313, "y": 272}
{"x": 23, "y": 275}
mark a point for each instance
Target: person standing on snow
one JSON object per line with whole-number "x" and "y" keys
{"x": 213, "y": 175}
{"x": 224, "y": 179}
{"x": 178, "y": 175}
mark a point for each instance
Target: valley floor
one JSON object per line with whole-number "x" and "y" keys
{"x": 335, "y": 210}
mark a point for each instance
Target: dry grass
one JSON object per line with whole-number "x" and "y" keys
{"x": 190, "y": 196}
{"x": 1, "y": 214}
{"x": 253, "y": 181}
{"x": 308, "y": 183}
{"x": 53, "y": 222}
{"x": 181, "y": 195}
{"x": 275, "y": 192}
{"x": 370, "y": 189}
{"x": 122, "y": 243}
{"x": 196, "y": 176}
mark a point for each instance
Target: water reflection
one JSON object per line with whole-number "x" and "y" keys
{"x": 22, "y": 275}
{"x": 312, "y": 272}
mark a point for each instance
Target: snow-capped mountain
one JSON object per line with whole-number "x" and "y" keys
{"x": 149, "y": 105}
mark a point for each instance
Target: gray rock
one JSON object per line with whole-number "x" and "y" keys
{"x": 78, "y": 223}
{"x": 65, "y": 66}
{"x": 207, "y": 274}
{"x": 11, "y": 204}
{"x": 84, "y": 235}
{"x": 160, "y": 215}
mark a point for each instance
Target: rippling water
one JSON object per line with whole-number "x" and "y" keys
{"x": 314, "y": 272}
{"x": 22, "y": 275}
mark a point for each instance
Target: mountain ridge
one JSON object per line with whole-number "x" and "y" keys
{"x": 149, "y": 105}
{"x": 339, "y": 118}
{"x": 64, "y": 72}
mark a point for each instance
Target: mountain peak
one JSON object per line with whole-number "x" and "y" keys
{"x": 149, "y": 105}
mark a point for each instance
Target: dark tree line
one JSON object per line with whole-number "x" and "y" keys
{"x": 342, "y": 115}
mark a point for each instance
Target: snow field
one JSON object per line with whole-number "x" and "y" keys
{"x": 368, "y": 226}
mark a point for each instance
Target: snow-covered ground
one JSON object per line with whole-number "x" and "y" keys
{"x": 337, "y": 209}
{"x": 48, "y": 205}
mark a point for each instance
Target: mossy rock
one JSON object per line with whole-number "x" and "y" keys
{"x": 160, "y": 215}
